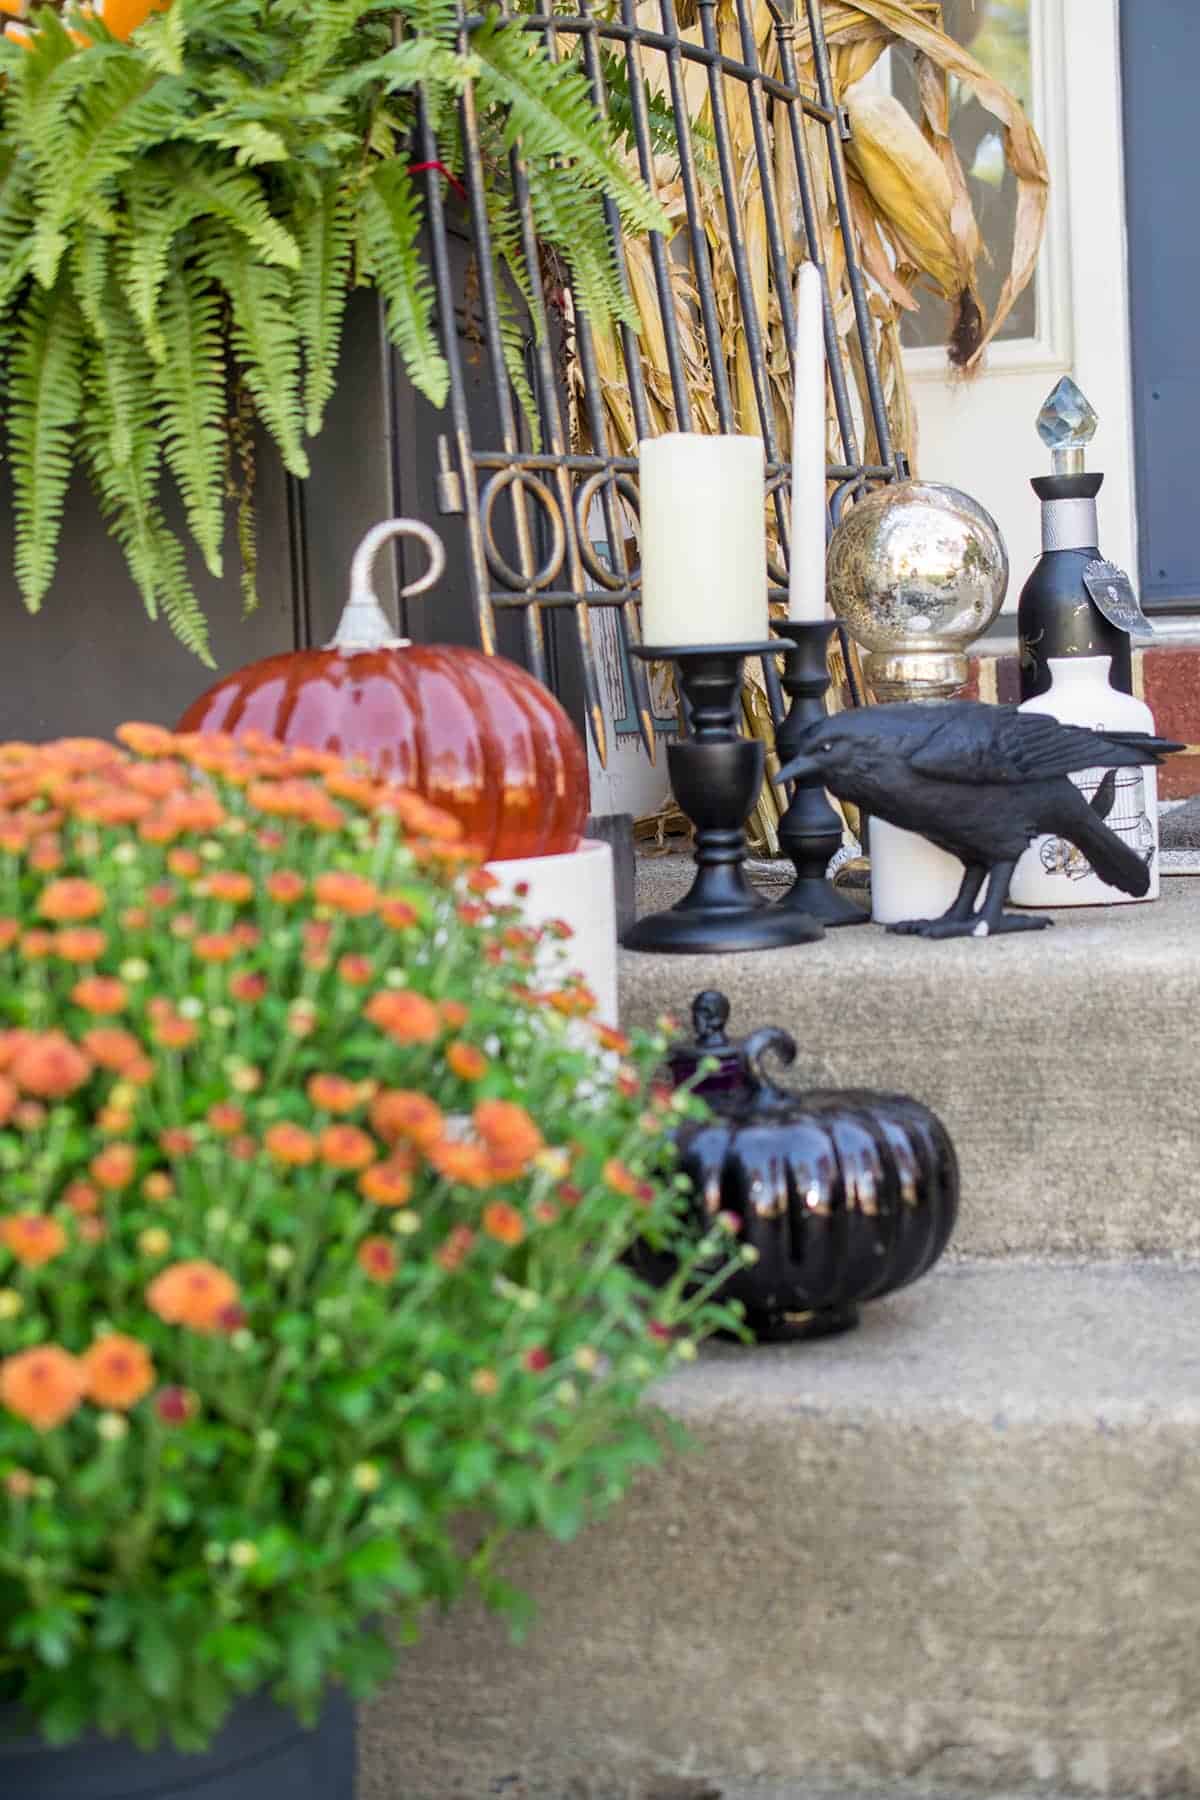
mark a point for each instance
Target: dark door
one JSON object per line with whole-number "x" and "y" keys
{"x": 1160, "y": 54}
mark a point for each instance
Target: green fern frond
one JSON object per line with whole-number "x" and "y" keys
{"x": 266, "y": 337}
{"x": 89, "y": 264}
{"x": 45, "y": 392}
{"x": 121, "y": 451}
{"x": 390, "y": 222}
{"x": 162, "y": 40}
{"x": 16, "y": 222}
{"x": 237, "y": 198}
{"x": 573, "y": 218}
{"x": 551, "y": 113}
{"x": 156, "y": 213}
{"x": 123, "y": 109}
{"x": 189, "y": 382}
{"x": 324, "y": 229}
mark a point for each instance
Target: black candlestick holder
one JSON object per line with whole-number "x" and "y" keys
{"x": 716, "y": 775}
{"x": 810, "y": 831}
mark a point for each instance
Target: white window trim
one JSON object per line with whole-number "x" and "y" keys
{"x": 1050, "y": 349}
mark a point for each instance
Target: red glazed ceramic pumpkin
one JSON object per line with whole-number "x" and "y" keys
{"x": 474, "y": 734}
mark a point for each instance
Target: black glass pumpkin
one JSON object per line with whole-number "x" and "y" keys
{"x": 844, "y": 1195}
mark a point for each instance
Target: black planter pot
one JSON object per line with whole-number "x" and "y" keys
{"x": 262, "y": 1754}
{"x": 843, "y": 1196}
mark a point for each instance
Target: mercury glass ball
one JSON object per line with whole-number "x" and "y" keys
{"x": 917, "y": 566}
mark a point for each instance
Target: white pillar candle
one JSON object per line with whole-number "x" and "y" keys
{"x": 806, "y": 571}
{"x": 703, "y": 539}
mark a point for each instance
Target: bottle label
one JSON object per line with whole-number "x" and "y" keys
{"x": 1112, "y": 593}
{"x": 1069, "y": 524}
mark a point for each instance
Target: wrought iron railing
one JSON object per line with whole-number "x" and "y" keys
{"x": 527, "y": 510}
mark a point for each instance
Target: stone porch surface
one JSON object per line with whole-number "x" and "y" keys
{"x": 952, "y": 1553}
{"x": 1065, "y": 1063}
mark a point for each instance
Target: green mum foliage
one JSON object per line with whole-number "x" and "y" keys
{"x": 184, "y": 216}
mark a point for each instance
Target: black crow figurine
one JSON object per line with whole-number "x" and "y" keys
{"x": 981, "y": 782}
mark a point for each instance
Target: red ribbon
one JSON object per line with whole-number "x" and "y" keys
{"x": 441, "y": 169}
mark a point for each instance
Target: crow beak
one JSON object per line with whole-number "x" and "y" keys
{"x": 801, "y": 768}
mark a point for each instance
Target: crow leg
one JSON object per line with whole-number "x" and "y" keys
{"x": 989, "y": 921}
{"x": 958, "y": 920}
{"x": 992, "y": 918}
{"x": 963, "y": 904}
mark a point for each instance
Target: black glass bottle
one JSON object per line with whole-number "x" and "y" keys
{"x": 1056, "y": 615}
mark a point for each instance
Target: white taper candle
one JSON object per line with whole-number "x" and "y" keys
{"x": 703, "y": 539}
{"x": 806, "y": 573}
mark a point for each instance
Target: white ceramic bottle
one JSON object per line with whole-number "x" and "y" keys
{"x": 1052, "y": 872}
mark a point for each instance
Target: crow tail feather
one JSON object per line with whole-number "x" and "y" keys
{"x": 1114, "y": 861}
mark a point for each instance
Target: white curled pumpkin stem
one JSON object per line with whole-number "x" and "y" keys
{"x": 364, "y": 625}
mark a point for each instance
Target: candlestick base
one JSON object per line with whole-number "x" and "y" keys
{"x": 716, "y": 776}
{"x": 810, "y": 831}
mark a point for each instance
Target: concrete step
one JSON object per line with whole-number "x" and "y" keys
{"x": 954, "y": 1552}
{"x": 1066, "y": 1063}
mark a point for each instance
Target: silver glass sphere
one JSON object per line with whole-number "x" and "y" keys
{"x": 916, "y": 572}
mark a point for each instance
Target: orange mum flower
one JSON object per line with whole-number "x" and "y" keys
{"x": 226, "y": 1116}
{"x": 70, "y": 899}
{"x": 286, "y": 886}
{"x": 346, "y": 1147}
{"x": 176, "y": 1140}
{"x": 453, "y": 1253}
{"x": 193, "y": 1293}
{"x": 454, "y": 1013}
{"x": 387, "y": 1183}
{"x": 82, "y": 1198}
{"x": 417, "y": 815}
{"x": 9, "y": 1096}
{"x": 111, "y": 1047}
{"x": 32, "y": 1238}
{"x": 10, "y": 931}
{"x": 503, "y": 1222}
{"x": 37, "y": 945}
{"x": 174, "y": 1033}
{"x": 468, "y": 1164}
{"x": 146, "y": 740}
{"x": 248, "y": 987}
{"x": 229, "y": 884}
{"x": 215, "y": 946}
{"x": 184, "y": 862}
{"x": 346, "y": 785}
{"x": 355, "y": 969}
{"x": 289, "y": 1143}
{"x": 406, "y": 1017}
{"x": 102, "y": 994}
{"x": 377, "y": 1259}
{"x": 512, "y": 1138}
{"x": 345, "y": 893}
{"x": 608, "y": 1039}
{"x": 399, "y": 914}
{"x": 466, "y": 1060}
{"x": 43, "y": 1386}
{"x": 114, "y": 1166}
{"x": 81, "y": 943}
{"x": 50, "y": 1066}
{"x": 118, "y": 1371}
{"x": 335, "y": 1094}
{"x": 400, "y": 1113}
{"x": 624, "y": 1181}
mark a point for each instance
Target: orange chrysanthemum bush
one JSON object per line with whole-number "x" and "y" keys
{"x": 314, "y": 1206}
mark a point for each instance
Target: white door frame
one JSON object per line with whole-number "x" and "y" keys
{"x": 1083, "y": 303}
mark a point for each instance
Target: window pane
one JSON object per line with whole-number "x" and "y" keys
{"x": 997, "y": 32}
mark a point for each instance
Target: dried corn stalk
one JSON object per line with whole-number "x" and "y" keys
{"x": 911, "y": 217}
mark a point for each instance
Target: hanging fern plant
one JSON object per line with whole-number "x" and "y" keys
{"x": 184, "y": 213}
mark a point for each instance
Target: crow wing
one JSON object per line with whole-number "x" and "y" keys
{"x": 1000, "y": 744}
